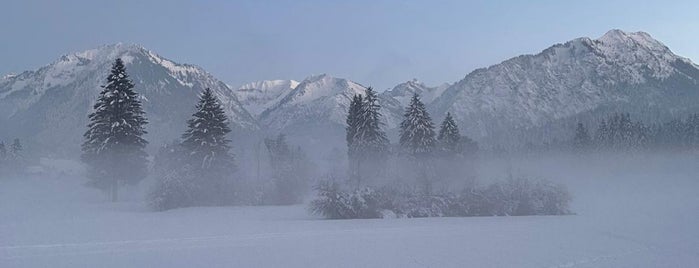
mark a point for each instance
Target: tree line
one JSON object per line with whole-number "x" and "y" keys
{"x": 619, "y": 132}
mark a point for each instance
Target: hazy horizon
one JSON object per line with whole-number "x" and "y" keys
{"x": 378, "y": 44}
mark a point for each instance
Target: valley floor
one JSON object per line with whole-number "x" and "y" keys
{"x": 648, "y": 217}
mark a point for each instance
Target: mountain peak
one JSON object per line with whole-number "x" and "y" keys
{"x": 618, "y": 38}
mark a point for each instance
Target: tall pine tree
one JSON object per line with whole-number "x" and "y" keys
{"x": 205, "y": 138}
{"x": 449, "y": 137}
{"x": 372, "y": 140}
{"x": 208, "y": 151}
{"x": 417, "y": 139}
{"x": 353, "y": 117}
{"x": 114, "y": 146}
{"x": 417, "y": 130}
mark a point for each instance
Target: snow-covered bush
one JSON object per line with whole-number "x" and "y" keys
{"x": 175, "y": 189}
{"x": 513, "y": 197}
{"x": 333, "y": 203}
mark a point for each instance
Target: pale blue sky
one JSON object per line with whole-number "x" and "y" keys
{"x": 379, "y": 43}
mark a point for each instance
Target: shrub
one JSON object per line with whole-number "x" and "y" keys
{"x": 335, "y": 204}
{"x": 514, "y": 197}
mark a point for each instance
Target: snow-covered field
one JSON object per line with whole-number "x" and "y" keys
{"x": 631, "y": 212}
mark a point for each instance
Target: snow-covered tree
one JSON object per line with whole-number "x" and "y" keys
{"x": 449, "y": 137}
{"x": 417, "y": 138}
{"x": 417, "y": 130}
{"x": 114, "y": 146}
{"x": 353, "y": 117}
{"x": 372, "y": 140}
{"x": 206, "y": 136}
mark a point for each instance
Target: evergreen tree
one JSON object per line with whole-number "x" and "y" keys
{"x": 417, "y": 130}
{"x": 205, "y": 137}
{"x": 114, "y": 147}
{"x": 353, "y": 117}
{"x": 208, "y": 150}
{"x": 417, "y": 139}
{"x": 581, "y": 140}
{"x": 449, "y": 137}
{"x": 372, "y": 140}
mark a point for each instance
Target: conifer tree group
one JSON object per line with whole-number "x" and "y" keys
{"x": 368, "y": 145}
{"x": 367, "y": 142}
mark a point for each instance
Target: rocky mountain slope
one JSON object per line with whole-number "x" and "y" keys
{"x": 50, "y": 105}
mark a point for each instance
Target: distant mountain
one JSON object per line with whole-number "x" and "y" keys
{"x": 50, "y": 105}
{"x": 258, "y": 96}
{"x": 320, "y": 100}
{"x": 584, "y": 77}
{"x": 523, "y": 99}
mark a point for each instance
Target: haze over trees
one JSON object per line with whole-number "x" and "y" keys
{"x": 114, "y": 146}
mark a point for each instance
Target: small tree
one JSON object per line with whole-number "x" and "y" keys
{"x": 114, "y": 144}
{"x": 449, "y": 137}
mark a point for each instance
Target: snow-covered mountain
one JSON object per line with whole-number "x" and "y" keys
{"x": 619, "y": 71}
{"x": 320, "y": 100}
{"x": 50, "y": 105}
{"x": 258, "y": 96}
{"x": 403, "y": 92}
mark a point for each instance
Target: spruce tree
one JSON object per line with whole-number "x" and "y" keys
{"x": 205, "y": 138}
{"x": 417, "y": 130}
{"x": 114, "y": 146}
{"x": 581, "y": 140}
{"x": 449, "y": 137}
{"x": 353, "y": 116}
{"x": 372, "y": 140}
{"x": 418, "y": 141}
{"x": 208, "y": 150}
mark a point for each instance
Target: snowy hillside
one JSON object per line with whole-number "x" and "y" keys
{"x": 317, "y": 100}
{"x": 619, "y": 71}
{"x": 259, "y": 96}
{"x": 51, "y": 104}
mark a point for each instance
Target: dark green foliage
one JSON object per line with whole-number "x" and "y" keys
{"x": 417, "y": 130}
{"x": 513, "y": 197}
{"x": 333, "y": 203}
{"x": 206, "y": 138}
{"x": 114, "y": 144}
{"x": 449, "y": 137}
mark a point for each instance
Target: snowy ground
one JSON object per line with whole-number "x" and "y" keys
{"x": 639, "y": 212}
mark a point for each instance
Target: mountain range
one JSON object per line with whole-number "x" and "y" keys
{"x": 511, "y": 102}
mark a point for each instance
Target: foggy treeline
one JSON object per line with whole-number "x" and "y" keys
{"x": 430, "y": 170}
